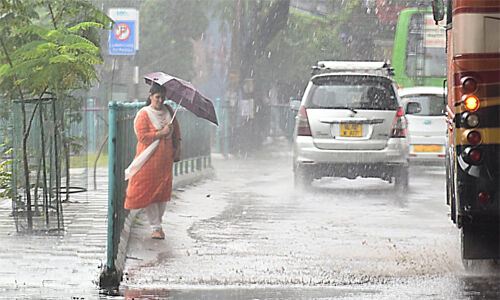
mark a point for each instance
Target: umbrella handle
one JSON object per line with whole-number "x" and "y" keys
{"x": 175, "y": 112}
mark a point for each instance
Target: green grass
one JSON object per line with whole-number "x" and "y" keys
{"x": 87, "y": 161}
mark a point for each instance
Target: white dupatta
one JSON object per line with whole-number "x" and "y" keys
{"x": 159, "y": 118}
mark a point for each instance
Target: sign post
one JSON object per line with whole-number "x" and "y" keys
{"x": 124, "y": 38}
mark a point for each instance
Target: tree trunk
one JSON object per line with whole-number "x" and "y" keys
{"x": 26, "y": 170}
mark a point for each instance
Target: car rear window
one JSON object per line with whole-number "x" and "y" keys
{"x": 431, "y": 105}
{"x": 354, "y": 92}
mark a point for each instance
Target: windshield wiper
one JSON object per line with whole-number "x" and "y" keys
{"x": 344, "y": 107}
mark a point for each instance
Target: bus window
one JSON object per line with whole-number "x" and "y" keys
{"x": 425, "y": 48}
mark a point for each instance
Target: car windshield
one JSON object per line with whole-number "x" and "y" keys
{"x": 352, "y": 92}
{"x": 431, "y": 105}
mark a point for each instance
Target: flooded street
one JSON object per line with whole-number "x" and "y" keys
{"x": 249, "y": 233}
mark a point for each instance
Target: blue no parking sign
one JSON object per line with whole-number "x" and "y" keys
{"x": 122, "y": 38}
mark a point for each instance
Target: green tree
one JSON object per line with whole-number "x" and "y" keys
{"x": 48, "y": 48}
{"x": 305, "y": 40}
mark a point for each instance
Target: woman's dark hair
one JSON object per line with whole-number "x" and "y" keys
{"x": 155, "y": 88}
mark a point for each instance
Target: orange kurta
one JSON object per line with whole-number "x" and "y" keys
{"x": 153, "y": 182}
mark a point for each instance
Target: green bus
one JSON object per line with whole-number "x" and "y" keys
{"x": 419, "y": 56}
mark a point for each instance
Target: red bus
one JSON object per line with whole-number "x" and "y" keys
{"x": 473, "y": 114}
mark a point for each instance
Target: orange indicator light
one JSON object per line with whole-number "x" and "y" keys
{"x": 471, "y": 103}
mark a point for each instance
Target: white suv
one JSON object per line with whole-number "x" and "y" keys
{"x": 351, "y": 123}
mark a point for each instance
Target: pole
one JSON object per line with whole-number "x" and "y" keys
{"x": 111, "y": 183}
{"x": 217, "y": 130}
{"x": 225, "y": 110}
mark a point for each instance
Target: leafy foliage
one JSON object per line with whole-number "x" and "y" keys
{"x": 304, "y": 41}
{"x": 49, "y": 47}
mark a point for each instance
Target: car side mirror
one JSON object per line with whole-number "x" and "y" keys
{"x": 294, "y": 104}
{"x": 437, "y": 10}
{"x": 413, "y": 108}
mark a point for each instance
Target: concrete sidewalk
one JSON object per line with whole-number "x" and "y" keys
{"x": 66, "y": 266}
{"x": 58, "y": 267}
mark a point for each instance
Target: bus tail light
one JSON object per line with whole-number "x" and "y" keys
{"x": 399, "y": 126}
{"x": 472, "y": 155}
{"x": 469, "y": 85}
{"x": 472, "y": 120}
{"x": 474, "y": 137}
{"x": 483, "y": 197}
{"x": 471, "y": 103}
{"x": 303, "y": 127}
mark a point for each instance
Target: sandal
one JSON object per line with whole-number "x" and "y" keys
{"x": 158, "y": 234}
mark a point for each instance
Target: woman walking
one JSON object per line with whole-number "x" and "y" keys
{"x": 150, "y": 173}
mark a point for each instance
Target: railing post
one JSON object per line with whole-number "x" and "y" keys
{"x": 110, "y": 278}
{"x": 111, "y": 182}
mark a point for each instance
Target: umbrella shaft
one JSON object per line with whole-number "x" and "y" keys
{"x": 176, "y": 109}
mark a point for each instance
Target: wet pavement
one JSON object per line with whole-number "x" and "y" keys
{"x": 249, "y": 234}
{"x": 57, "y": 267}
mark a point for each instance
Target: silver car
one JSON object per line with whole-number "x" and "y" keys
{"x": 350, "y": 124}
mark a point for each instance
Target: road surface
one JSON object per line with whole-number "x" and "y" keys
{"x": 248, "y": 233}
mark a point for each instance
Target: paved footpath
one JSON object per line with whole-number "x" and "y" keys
{"x": 66, "y": 266}
{"x": 58, "y": 267}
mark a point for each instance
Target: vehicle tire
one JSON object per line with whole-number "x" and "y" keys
{"x": 302, "y": 179}
{"x": 401, "y": 181}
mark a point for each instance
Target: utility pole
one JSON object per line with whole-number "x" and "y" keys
{"x": 234, "y": 77}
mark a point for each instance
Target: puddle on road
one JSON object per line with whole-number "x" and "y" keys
{"x": 421, "y": 287}
{"x": 250, "y": 293}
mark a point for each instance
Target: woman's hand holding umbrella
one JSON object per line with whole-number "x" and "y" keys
{"x": 165, "y": 132}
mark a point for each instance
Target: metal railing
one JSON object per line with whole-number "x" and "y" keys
{"x": 122, "y": 143}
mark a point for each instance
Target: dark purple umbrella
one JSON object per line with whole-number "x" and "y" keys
{"x": 184, "y": 93}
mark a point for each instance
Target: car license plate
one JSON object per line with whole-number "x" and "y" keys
{"x": 427, "y": 148}
{"x": 351, "y": 130}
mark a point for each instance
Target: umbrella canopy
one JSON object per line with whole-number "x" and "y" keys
{"x": 184, "y": 93}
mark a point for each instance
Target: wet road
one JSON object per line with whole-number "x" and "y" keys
{"x": 249, "y": 234}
